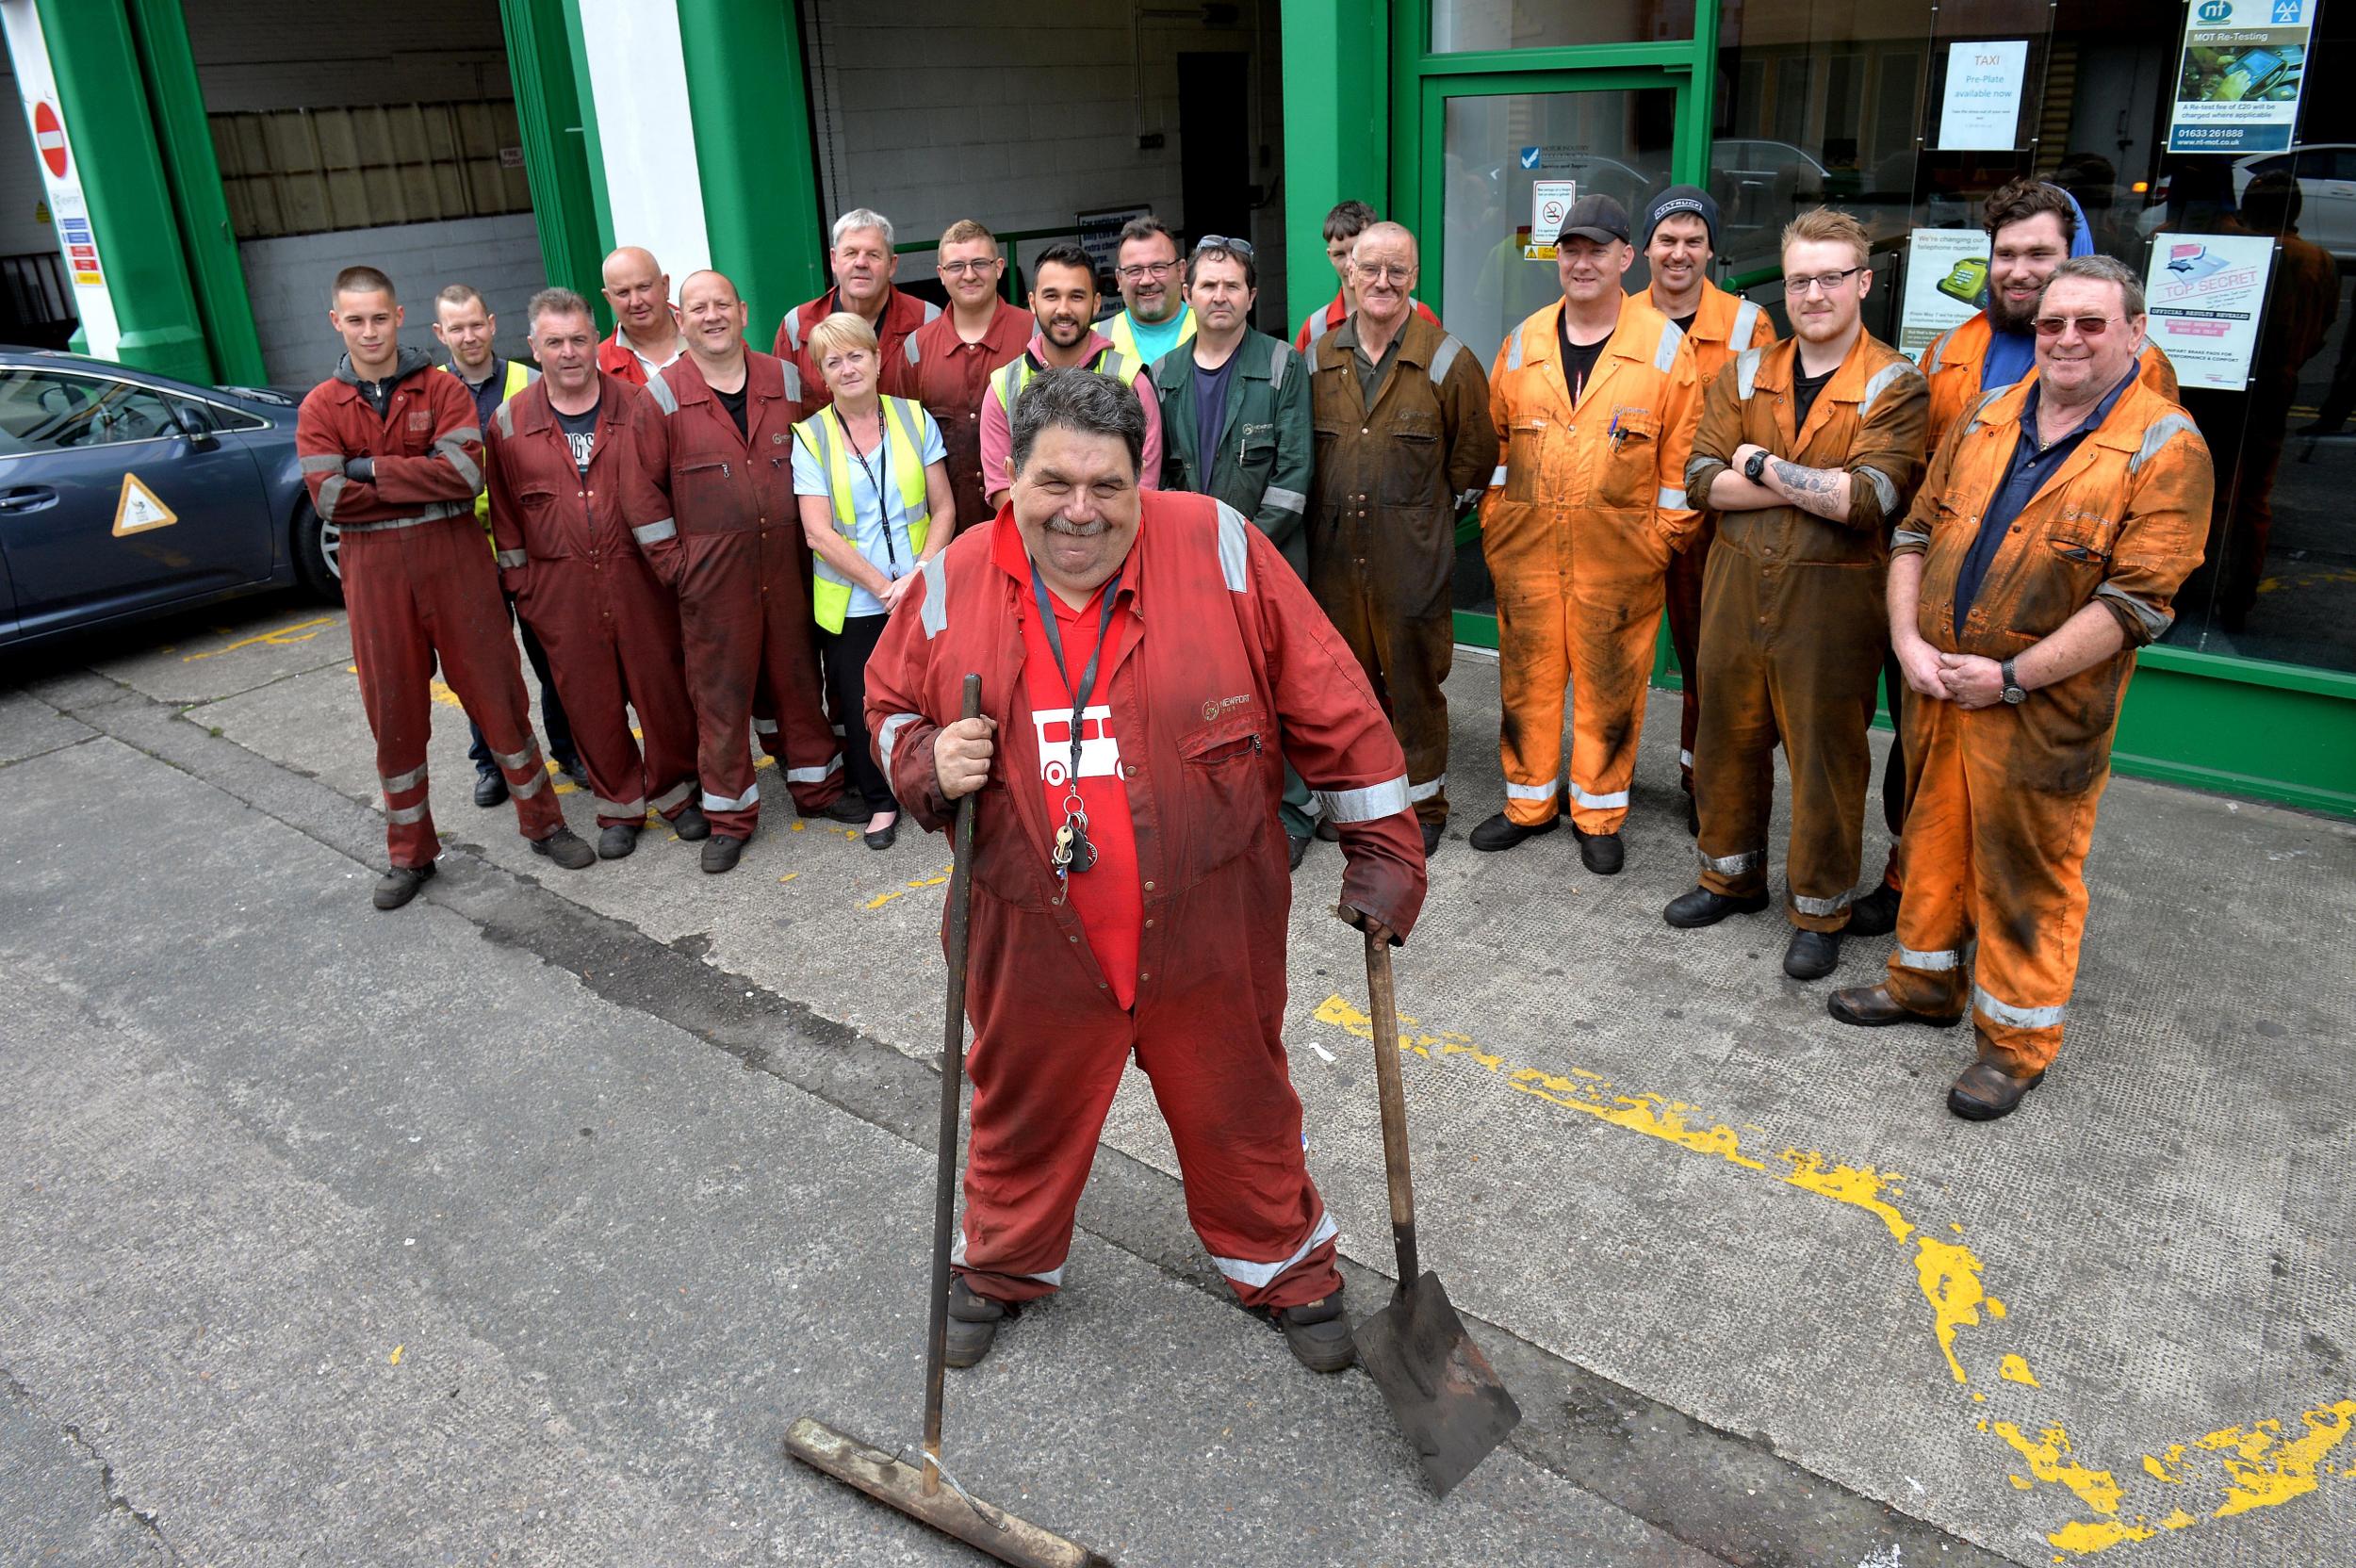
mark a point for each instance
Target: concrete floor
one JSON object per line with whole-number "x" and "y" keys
{"x": 1765, "y": 1300}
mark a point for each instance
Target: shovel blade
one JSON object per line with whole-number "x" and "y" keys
{"x": 1443, "y": 1393}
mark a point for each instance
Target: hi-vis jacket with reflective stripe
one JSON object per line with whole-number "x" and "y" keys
{"x": 1260, "y": 466}
{"x": 1216, "y": 657}
{"x": 2121, "y": 525}
{"x": 1724, "y": 325}
{"x": 1866, "y": 422}
{"x": 904, "y": 425}
{"x": 1587, "y": 482}
{"x": 1953, "y": 362}
{"x": 427, "y": 447}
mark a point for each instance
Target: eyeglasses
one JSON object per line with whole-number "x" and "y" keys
{"x": 965, "y": 269}
{"x": 1382, "y": 272}
{"x": 1223, "y": 243}
{"x": 1146, "y": 269}
{"x": 2088, "y": 326}
{"x": 1794, "y": 288}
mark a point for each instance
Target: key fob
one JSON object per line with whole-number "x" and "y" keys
{"x": 1083, "y": 851}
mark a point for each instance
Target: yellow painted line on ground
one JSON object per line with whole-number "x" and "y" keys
{"x": 2243, "y": 1468}
{"x": 881, "y": 898}
{"x": 282, "y": 637}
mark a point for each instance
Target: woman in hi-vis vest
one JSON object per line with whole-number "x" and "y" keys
{"x": 873, "y": 479}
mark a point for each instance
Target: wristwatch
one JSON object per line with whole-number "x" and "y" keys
{"x": 1755, "y": 465}
{"x": 2014, "y": 692}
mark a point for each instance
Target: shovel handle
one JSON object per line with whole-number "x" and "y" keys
{"x": 1384, "y": 1008}
{"x": 952, "y": 1082}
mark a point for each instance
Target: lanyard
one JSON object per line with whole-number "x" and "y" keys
{"x": 1087, "y": 676}
{"x": 883, "y": 456}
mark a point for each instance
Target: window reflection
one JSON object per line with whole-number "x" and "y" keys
{"x": 1465, "y": 25}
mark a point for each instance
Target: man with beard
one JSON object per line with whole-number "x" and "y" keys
{"x": 647, "y": 336}
{"x": 1063, "y": 302}
{"x": 1809, "y": 450}
{"x": 864, "y": 264}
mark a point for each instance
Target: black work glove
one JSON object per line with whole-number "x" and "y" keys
{"x": 361, "y": 468}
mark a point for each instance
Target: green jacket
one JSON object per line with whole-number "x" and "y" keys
{"x": 1265, "y": 445}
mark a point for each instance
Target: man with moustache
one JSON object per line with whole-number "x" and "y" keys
{"x": 1808, "y": 450}
{"x": 711, "y": 504}
{"x": 1681, "y": 238}
{"x": 558, "y": 451}
{"x": 953, "y": 355}
{"x": 864, "y": 264}
{"x": 1403, "y": 442}
{"x": 1153, "y": 317}
{"x": 1063, "y": 302}
{"x": 1234, "y": 406}
{"x": 647, "y": 337}
{"x": 1595, "y": 399}
{"x": 1170, "y": 632}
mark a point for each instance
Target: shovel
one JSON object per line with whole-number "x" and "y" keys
{"x": 1442, "y": 1391}
{"x": 886, "y": 1477}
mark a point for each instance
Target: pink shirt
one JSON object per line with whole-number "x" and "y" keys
{"x": 998, "y": 434}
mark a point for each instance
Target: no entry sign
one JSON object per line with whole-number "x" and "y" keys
{"x": 49, "y": 136}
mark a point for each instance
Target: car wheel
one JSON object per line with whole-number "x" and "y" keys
{"x": 317, "y": 555}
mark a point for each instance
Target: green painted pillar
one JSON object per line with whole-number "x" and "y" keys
{"x": 1338, "y": 89}
{"x": 95, "y": 65}
{"x": 750, "y": 104}
{"x": 556, "y": 136}
{"x": 217, "y": 271}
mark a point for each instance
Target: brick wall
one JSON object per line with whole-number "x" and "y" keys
{"x": 260, "y": 55}
{"x": 288, "y": 280}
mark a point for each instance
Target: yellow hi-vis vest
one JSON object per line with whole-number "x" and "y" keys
{"x": 1008, "y": 382}
{"x": 519, "y": 376}
{"x": 1124, "y": 337}
{"x": 831, "y": 591}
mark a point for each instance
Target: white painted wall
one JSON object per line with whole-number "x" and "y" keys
{"x": 638, "y": 82}
{"x": 288, "y": 280}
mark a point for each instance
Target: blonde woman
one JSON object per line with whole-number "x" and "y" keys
{"x": 872, "y": 477}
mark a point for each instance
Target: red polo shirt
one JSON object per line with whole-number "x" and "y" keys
{"x": 1107, "y": 898}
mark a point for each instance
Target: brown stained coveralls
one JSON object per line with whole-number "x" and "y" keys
{"x": 420, "y": 587}
{"x": 1585, "y": 509}
{"x": 715, "y": 516}
{"x": 610, "y": 629}
{"x": 1724, "y": 326}
{"x": 1794, "y": 620}
{"x": 2000, "y": 800}
{"x": 1392, "y": 472}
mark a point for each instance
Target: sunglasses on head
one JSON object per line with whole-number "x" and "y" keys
{"x": 1223, "y": 242}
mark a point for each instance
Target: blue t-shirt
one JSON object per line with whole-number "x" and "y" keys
{"x": 881, "y": 531}
{"x": 1155, "y": 340}
{"x": 2010, "y": 357}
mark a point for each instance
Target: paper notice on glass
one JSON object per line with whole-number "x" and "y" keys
{"x": 1550, "y": 204}
{"x": 1946, "y": 271}
{"x": 2205, "y": 293}
{"x": 1982, "y": 111}
{"x": 2239, "y": 76}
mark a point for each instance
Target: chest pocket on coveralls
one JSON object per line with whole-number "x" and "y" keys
{"x": 1525, "y": 454}
{"x": 1223, "y": 776}
{"x": 1255, "y": 449}
{"x": 1633, "y": 477}
{"x": 537, "y": 504}
{"x": 701, "y": 482}
{"x": 1411, "y": 478}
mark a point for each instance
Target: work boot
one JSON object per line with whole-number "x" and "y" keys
{"x": 1297, "y": 849}
{"x": 1317, "y": 1333}
{"x": 1986, "y": 1091}
{"x": 720, "y": 852}
{"x": 1812, "y": 955}
{"x": 1873, "y": 1006}
{"x": 399, "y": 885}
{"x": 1700, "y": 907}
{"x": 844, "y": 808}
{"x": 575, "y": 772}
{"x": 616, "y": 841}
{"x": 1877, "y": 913}
{"x": 1503, "y": 832}
{"x": 690, "y": 823}
{"x": 1328, "y": 831}
{"x": 566, "y": 848}
{"x": 1432, "y": 831}
{"x": 1601, "y": 852}
{"x": 490, "y": 789}
{"x": 974, "y": 1321}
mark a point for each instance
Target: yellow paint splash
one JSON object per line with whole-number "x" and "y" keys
{"x": 394, "y": 1359}
{"x": 2015, "y": 1369}
{"x": 1861, "y": 1187}
{"x": 2050, "y": 1460}
{"x": 1949, "y": 1273}
{"x": 281, "y": 637}
{"x": 881, "y": 898}
{"x": 2264, "y": 1468}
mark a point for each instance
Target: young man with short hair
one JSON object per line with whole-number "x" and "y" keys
{"x": 954, "y": 355}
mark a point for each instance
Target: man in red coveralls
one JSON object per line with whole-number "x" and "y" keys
{"x": 393, "y": 458}
{"x": 1140, "y": 657}
{"x": 559, "y": 452}
{"x": 711, "y": 503}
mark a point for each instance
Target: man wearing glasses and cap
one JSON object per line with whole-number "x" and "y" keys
{"x": 1595, "y": 398}
{"x": 1680, "y": 239}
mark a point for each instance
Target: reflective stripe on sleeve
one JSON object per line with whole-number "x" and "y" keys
{"x": 1822, "y": 908}
{"x": 1901, "y": 537}
{"x": 2154, "y": 622}
{"x": 1370, "y": 804}
{"x": 659, "y": 390}
{"x": 509, "y": 559}
{"x": 452, "y": 450}
{"x": 1946, "y": 958}
{"x": 401, "y": 781}
{"x": 504, "y": 416}
{"x": 1513, "y": 348}
{"x": 933, "y": 615}
{"x": 909, "y": 346}
{"x": 793, "y": 379}
{"x": 1612, "y": 801}
{"x": 1277, "y": 499}
{"x": 1258, "y": 1275}
{"x": 1532, "y": 791}
{"x": 1895, "y": 370}
{"x": 331, "y": 491}
{"x": 794, "y": 328}
{"x": 1279, "y": 356}
{"x": 2164, "y": 428}
{"x": 721, "y": 803}
{"x": 1234, "y": 548}
{"x": 1746, "y": 323}
{"x": 1937, "y": 352}
{"x": 815, "y": 775}
{"x": 1670, "y": 500}
{"x": 323, "y": 463}
{"x": 1497, "y": 477}
{"x": 1664, "y": 358}
{"x": 888, "y": 735}
{"x": 657, "y": 531}
{"x": 1746, "y": 372}
{"x": 1733, "y": 865}
{"x": 1444, "y": 358}
{"x": 2018, "y": 1017}
{"x": 1885, "y": 488}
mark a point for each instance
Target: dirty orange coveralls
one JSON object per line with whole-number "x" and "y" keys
{"x": 1583, "y": 513}
{"x": 1724, "y": 325}
{"x": 2000, "y": 800}
{"x": 1794, "y": 620}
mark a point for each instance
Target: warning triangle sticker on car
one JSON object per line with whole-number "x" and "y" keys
{"x": 138, "y": 510}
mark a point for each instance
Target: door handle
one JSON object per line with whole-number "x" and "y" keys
{"x": 27, "y": 498}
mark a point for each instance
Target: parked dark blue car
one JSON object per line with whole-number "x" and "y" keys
{"x": 125, "y": 494}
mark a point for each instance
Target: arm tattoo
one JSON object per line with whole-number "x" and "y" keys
{"x": 1821, "y": 491}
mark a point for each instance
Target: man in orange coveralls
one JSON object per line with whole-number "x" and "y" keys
{"x": 1142, "y": 657}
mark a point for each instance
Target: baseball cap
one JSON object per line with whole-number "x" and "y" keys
{"x": 1597, "y": 217}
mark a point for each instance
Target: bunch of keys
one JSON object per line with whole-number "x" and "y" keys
{"x": 1072, "y": 852}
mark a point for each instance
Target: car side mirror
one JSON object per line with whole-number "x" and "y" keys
{"x": 192, "y": 425}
